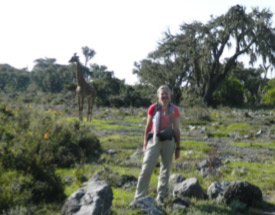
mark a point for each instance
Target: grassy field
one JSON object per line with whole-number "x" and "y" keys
{"x": 124, "y": 134}
{"x": 224, "y": 133}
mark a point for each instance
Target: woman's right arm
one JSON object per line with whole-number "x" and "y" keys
{"x": 147, "y": 130}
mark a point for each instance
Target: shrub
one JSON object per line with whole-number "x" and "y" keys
{"x": 230, "y": 93}
{"x": 33, "y": 145}
{"x": 269, "y": 97}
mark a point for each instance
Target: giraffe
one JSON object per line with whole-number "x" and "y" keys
{"x": 83, "y": 90}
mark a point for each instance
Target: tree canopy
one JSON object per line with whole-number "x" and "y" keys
{"x": 203, "y": 55}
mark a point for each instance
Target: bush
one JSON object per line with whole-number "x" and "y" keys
{"x": 33, "y": 145}
{"x": 230, "y": 93}
{"x": 269, "y": 97}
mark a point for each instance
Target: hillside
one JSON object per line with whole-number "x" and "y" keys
{"x": 242, "y": 140}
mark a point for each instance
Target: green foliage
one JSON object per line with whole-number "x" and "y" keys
{"x": 88, "y": 53}
{"x": 270, "y": 145}
{"x": 105, "y": 88}
{"x": 115, "y": 93}
{"x": 230, "y": 93}
{"x": 32, "y": 145}
{"x": 129, "y": 97}
{"x": 270, "y": 84}
{"x": 201, "y": 147}
{"x": 269, "y": 97}
{"x": 256, "y": 173}
{"x": 238, "y": 126}
{"x": 12, "y": 79}
{"x": 194, "y": 58}
{"x": 252, "y": 81}
{"x": 51, "y": 77}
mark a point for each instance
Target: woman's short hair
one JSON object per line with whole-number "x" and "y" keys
{"x": 163, "y": 87}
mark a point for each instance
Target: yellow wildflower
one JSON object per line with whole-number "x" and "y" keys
{"x": 46, "y": 136}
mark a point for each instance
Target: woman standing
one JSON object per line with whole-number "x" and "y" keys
{"x": 161, "y": 137}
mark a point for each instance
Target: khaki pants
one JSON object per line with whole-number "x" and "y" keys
{"x": 166, "y": 150}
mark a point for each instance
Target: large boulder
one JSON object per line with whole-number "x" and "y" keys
{"x": 244, "y": 192}
{"x": 96, "y": 198}
{"x": 189, "y": 188}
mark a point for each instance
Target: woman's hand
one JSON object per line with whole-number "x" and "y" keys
{"x": 145, "y": 146}
{"x": 177, "y": 153}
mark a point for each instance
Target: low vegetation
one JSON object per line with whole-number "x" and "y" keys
{"x": 46, "y": 156}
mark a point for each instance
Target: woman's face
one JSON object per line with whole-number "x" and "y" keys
{"x": 164, "y": 96}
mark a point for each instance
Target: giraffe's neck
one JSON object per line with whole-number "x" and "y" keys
{"x": 79, "y": 74}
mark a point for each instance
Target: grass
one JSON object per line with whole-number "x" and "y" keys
{"x": 238, "y": 126}
{"x": 196, "y": 146}
{"x": 125, "y": 135}
{"x": 269, "y": 145}
{"x": 123, "y": 198}
{"x": 121, "y": 142}
{"x": 258, "y": 174}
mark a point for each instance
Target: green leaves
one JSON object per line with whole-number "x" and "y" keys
{"x": 195, "y": 58}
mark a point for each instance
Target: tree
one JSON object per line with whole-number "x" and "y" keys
{"x": 100, "y": 71}
{"x": 196, "y": 57}
{"x": 51, "y": 77}
{"x": 159, "y": 69}
{"x": 229, "y": 93}
{"x": 106, "y": 87}
{"x": 269, "y": 93}
{"x": 254, "y": 81}
{"x": 12, "y": 79}
{"x": 88, "y": 53}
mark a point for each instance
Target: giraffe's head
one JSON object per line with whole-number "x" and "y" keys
{"x": 74, "y": 59}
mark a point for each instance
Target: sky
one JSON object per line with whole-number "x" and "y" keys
{"x": 121, "y": 32}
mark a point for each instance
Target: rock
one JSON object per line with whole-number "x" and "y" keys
{"x": 239, "y": 171}
{"x": 205, "y": 138}
{"x": 186, "y": 165}
{"x": 246, "y": 136}
{"x": 204, "y": 172}
{"x": 111, "y": 151}
{"x": 135, "y": 159}
{"x": 203, "y": 130}
{"x": 96, "y": 198}
{"x": 147, "y": 205}
{"x": 192, "y": 127}
{"x": 258, "y": 134}
{"x": 203, "y": 164}
{"x": 179, "y": 204}
{"x": 115, "y": 179}
{"x": 189, "y": 152}
{"x": 175, "y": 179}
{"x": 128, "y": 181}
{"x": 244, "y": 192}
{"x": 189, "y": 188}
{"x": 216, "y": 190}
{"x": 69, "y": 180}
{"x": 209, "y": 166}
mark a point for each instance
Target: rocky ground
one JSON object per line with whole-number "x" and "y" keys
{"x": 251, "y": 127}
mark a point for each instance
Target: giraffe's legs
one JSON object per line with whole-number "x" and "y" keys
{"x": 90, "y": 108}
{"x": 80, "y": 107}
